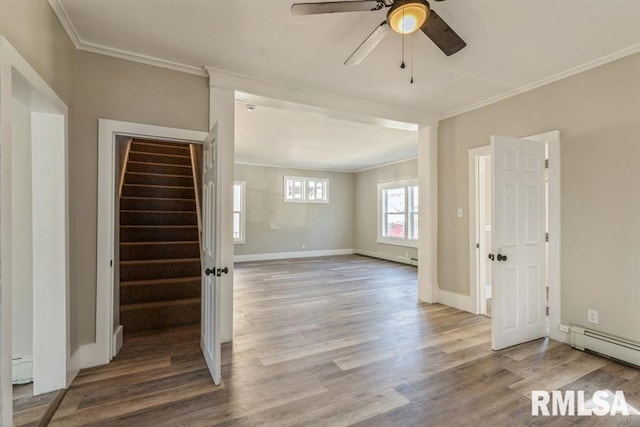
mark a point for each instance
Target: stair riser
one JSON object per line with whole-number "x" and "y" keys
{"x": 157, "y": 218}
{"x": 164, "y": 317}
{"x": 159, "y": 158}
{"x": 176, "y": 150}
{"x": 157, "y": 205}
{"x": 161, "y": 192}
{"x": 159, "y": 251}
{"x": 171, "y": 180}
{"x": 153, "y": 234}
{"x": 163, "y": 292}
{"x": 151, "y": 168}
{"x": 165, "y": 270}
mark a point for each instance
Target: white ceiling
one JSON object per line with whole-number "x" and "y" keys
{"x": 285, "y": 134}
{"x": 511, "y": 45}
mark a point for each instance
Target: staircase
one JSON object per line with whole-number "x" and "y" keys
{"x": 159, "y": 249}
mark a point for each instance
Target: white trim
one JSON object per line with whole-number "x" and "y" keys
{"x": 117, "y": 341}
{"x": 552, "y": 138}
{"x": 473, "y": 288}
{"x": 102, "y": 351}
{"x": 51, "y": 351}
{"x": 246, "y": 84}
{"x": 395, "y": 162}
{"x": 64, "y": 19}
{"x": 452, "y": 299}
{"x": 628, "y": 51}
{"x": 386, "y": 256}
{"x": 243, "y": 211}
{"x": 87, "y": 46}
{"x": 428, "y": 213}
{"x": 290, "y": 255}
{"x": 396, "y": 183}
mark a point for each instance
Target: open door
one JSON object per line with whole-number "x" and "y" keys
{"x": 518, "y": 255}
{"x": 210, "y": 324}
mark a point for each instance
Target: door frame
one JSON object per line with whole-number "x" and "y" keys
{"x": 53, "y": 365}
{"x": 109, "y": 335}
{"x": 552, "y": 138}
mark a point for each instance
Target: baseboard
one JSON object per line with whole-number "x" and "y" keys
{"x": 22, "y": 369}
{"x": 461, "y": 302}
{"x": 288, "y": 255}
{"x": 117, "y": 341}
{"x": 388, "y": 257}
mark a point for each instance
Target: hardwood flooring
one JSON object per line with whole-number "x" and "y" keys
{"x": 334, "y": 342}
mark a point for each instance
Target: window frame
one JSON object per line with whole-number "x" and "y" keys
{"x": 411, "y": 189}
{"x": 242, "y": 212}
{"x": 305, "y": 180}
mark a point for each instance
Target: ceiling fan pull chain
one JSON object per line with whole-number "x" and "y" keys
{"x": 402, "y": 65}
{"x": 411, "y": 63}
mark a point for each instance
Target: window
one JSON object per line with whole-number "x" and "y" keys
{"x": 310, "y": 190}
{"x": 238, "y": 212}
{"x": 398, "y": 213}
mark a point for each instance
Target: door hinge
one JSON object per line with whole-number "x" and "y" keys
{"x": 546, "y": 163}
{"x": 477, "y": 245}
{"x": 111, "y": 263}
{"x": 546, "y": 237}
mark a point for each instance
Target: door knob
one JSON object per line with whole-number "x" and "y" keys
{"x": 222, "y": 271}
{"x": 492, "y": 257}
{"x": 502, "y": 257}
{"x": 210, "y": 271}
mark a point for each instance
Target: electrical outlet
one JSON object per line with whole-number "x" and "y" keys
{"x": 304, "y": 246}
{"x": 564, "y": 328}
{"x": 460, "y": 212}
{"x": 592, "y": 316}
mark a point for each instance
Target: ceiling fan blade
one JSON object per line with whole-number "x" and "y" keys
{"x": 368, "y": 44}
{"x": 336, "y": 6}
{"x": 442, "y": 35}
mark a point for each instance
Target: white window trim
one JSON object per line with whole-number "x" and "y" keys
{"x": 243, "y": 213}
{"x": 411, "y": 243}
{"x": 304, "y": 180}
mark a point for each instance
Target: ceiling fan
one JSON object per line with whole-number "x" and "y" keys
{"x": 403, "y": 17}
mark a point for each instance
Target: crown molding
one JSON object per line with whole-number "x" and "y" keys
{"x": 229, "y": 80}
{"x": 395, "y": 162}
{"x": 86, "y": 46}
{"x": 547, "y": 80}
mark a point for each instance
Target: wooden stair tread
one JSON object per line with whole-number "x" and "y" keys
{"x": 177, "y": 280}
{"x": 156, "y": 198}
{"x": 164, "y": 175}
{"x": 159, "y": 304}
{"x": 159, "y": 261}
{"x": 176, "y": 242}
{"x": 156, "y": 211}
{"x": 159, "y": 154}
{"x": 184, "y": 147}
{"x": 158, "y": 186}
{"x": 157, "y": 226}
{"x": 159, "y": 164}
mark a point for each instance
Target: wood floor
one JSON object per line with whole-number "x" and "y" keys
{"x": 334, "y": 342}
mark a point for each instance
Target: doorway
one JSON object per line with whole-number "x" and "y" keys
{"x": 109, "y": 332}
{"x": 480, "y": 233}
{"x": 33, "y": 232}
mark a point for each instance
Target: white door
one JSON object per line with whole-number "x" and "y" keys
{"x": 210, "y": 320}
{"x": 518, "y": 234}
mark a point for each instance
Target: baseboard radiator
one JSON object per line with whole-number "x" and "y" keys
{"x": 604, "y": 344}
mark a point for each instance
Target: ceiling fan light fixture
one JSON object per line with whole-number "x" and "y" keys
{"x": 408, "y": 16}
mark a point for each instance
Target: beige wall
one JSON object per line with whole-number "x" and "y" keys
{"x": 115, "y": 89}
{"x": 275, "y": 226}
{"x": 366, "y": 214}
{"x": 598, "y": 115}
